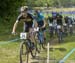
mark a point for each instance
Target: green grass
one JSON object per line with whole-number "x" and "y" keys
{"x": 9, "y": 53}
{"x": 58, "y": 52}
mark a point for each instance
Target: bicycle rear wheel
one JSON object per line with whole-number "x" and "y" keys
{"x": 24, "y": 53}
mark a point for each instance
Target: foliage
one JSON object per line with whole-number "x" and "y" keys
{"x": 9, "y": 8}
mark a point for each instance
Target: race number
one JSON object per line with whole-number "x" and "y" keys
{"x": 50, "y": 24}
{"x": 23, "y": 35}
{"x": 58, "y": 27}
{"x": 36, "y": 29}
{"x": 65, "y": 24}
{"x": 70, "y": 25}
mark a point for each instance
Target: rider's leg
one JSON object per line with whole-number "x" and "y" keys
{"x": 32, "y": 38}
{"x": 44, "y": 35}
{"x": 44, "y": 30}
{"x": 31, "y": 35}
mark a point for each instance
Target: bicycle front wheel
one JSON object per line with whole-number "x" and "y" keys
{"x": 24, "y": 53}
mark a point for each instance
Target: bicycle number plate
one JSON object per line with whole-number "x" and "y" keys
{"x": 23, "y": 35}
{"x": 70, "y": 25}
{"x": 50, "y": 24}
{"x": 65, "y": 24}
{"x": 58, "y": 27}
{"x": 36, "y": 29}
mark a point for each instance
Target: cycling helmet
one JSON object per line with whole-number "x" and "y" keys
{"x": 24, "y": 8}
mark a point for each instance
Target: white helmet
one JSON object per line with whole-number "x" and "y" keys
{"x": 23, "y": 8}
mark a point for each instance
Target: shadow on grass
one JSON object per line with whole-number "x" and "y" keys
{"x": 67, "y": 39}
{"x": 60, "y": 49}
{"x": 44, "y": 60}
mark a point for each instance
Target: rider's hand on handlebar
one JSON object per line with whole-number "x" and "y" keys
{"x": 13, "y": 33}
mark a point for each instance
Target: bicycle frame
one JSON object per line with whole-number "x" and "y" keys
{"x": 51, "y": 30}
{"x": 59, "y": 33}
{"x": 28, "y": 47}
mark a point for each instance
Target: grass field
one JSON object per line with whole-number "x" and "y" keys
{"x": 9, "y": 53}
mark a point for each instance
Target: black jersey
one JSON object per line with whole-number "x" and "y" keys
{"x": 27, "y": 19}
{"x": 50, "y": 19}
{"x": 59, "y": 19}
{"x": 66, "y": 19}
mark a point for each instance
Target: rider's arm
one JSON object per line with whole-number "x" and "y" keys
{"x": 45, "y": 22}
{"x": 15, "y": 26}
{"x": 49, "y": 20}
{"x": 16, "y": 23}
{"x": 35, "y": 23}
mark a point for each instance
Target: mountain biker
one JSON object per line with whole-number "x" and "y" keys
{"x": 60, "y": 30}
{"x": 51, "y": 26}
{"x": 28, "y": 22}
{"x": 54, "y": 21}
{"x": 59, "y": 26}
{"x": 50, "y": 19}
{"x": 68, "y": 20}
{"x": 59, "y": 19}
{"x": 40, "y": 20}
{"x": 41, "y": 23}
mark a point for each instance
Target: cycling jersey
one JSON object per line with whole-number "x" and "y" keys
{"x": 59, "y": 19}
{"x": 50, "y": 19}
{"x": 66, "y": 20}
{"x": 25, "y": 19}
{"x": 28, "y": 21}
{"x": 70, "y": 21}
{"x": 40, "y": 19}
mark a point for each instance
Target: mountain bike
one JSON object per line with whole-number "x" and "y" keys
{"x": 39, "y": 37}
{"x": 51, "y": 30}
{"x": 59, "y": 33}
{"x": 26, "y": 47}
{"x": 65, "y": 27}
{"x": 70, "y": 29}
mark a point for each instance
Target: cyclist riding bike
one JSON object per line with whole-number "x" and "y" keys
{"x": 59, "y": 19}
{"x": 54, "y": 21}
{"x": 51, "y": 27}
{"x": 28, "y": 23}
{"x": 50, "y": 19}
{"x": 59, "y": 26}
{"x": 40, "y": 19}
{"x": 70, "y": 25}
{"x": 66, "y": 19}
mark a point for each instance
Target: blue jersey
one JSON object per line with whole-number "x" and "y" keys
{"x": 39, "y": 17}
